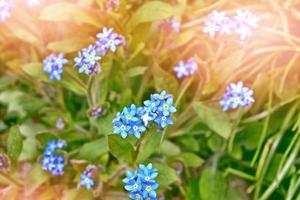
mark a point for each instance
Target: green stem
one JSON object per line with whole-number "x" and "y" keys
{"x": 11, "y": 180}
{"x": 240, "y": 174}
{"x": 89, "y": 91}
{"x": 182, "y": 92}
{"x": 76, "y": 79}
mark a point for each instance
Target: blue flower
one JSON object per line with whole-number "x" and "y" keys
{"x": 185, "y": 69}
{"x": 166, "y": 107}
{"x": 163, "y": 121}
{"x": 51, "y": 162}
{"x": 54, "y": 64}
{"x": 86, "y": 181}
{"x": 142, "y": 184}
{"x": 147, "y": 173}
{"x": 5, "y": 9}
{"x": 128, "y": 122}
{"x": 87, "y": 60}
{"x": 108, "y": 40}
{"x": 237, "y": 95}
{"x": 169, "y": 25}
{"x": 54, "y": 164}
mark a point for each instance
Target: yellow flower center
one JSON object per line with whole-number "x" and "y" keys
{"x": 128, "y": 116}
{"x": 84, "y": 66}
{"x": 91, "y": 58}
{"x": 137, "y": 196}
{"x": 148, "y": 188}
{"x": 166, "y": 106}
{"x": 135, "y": 186}
{"x": 123, "y": 127}
{"x": 163, "y": 118}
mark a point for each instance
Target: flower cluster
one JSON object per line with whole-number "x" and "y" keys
{"x": 54, "y": 64}
{"x": 87, "y": 61}
{"x": 237, "y": 95}
{"x": 169, "y": 25}
{"x": 32, "y": 3}
{"x": 5, "y": 9}
{"x": 52, "y": 162}
{"x": 241, "y": 24}
{"x": 111, "y": 5}
{"x": 134, "y": 120}
{"x": 141, "y": 184}
{"x": 86, "y": 178}
{"x": 109, "y": 41}
{"x": 185, "y": 69}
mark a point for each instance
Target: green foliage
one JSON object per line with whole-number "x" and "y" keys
{"x": 14, "y": 144}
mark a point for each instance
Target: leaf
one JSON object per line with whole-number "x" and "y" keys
{"x": 70, "y": 44}
{"x": 14, "y": 144}
{"x": 120, "y": 148}
{"x": 29, "y": 151}
{"x": 43, "y": 138}
{"x": 215, "y": 119}
{"x": 93, "y": 150}
{"x": 148, "y": 146}
{"x": 64, "y": 11}
{"x": 137, "y": 71}
{"x": 35, "y": 69}
{"x": 166, "y": 176}
{"x": 168, "y": 148}
{"x": 35, "y": 179}
{"x": 150, "y": 11}
{"x": 77, "y": 194}
{"x": 164, "y": 80}
{"x": 189, "y": 159}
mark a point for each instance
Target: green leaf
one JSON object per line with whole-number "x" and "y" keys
{"x": 93, "y": 150}
{"x": 150, "y": 11}
{"x": 164, "y": 80}
{"x": 215, "y": 119}
{"x": 166, "y": 176}
{"x": 14, "y": 144}
{"x": 148, "y": 146}
{"x": 34, "y": 69}
{"x": 64, "y": 11}
{"x": 189, "y": 159}
{"x": 120, "y": 148}
{"x": 43, "y": 138}
{"x": 137, "y": 71}
{"x": 29, "y": 151}
{"x": 35, "y": 179}
{"x": 70, "y": 44}
{"x": 77, "y": 194}
{"x": 168, "y": 148}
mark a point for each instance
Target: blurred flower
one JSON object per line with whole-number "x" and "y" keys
{"x": 169, "y": 25}
{"x": 87, "y": 60}
{"x": 128, "y": 122}
{"x": 111, "y": 5}
{"x": 246, "y": 21}
{"x": 52, "y": 162}
{"x": 4, "y": 163}
{"x": 96, "y": 112}
{"x": 141, "y": 184}
{"x": 86, "y": 181}
{"x": 5, "y": 9}
{"x": 108, "y": 40}
{"x": 54, "y": 64}
{"x": 32, "y": 3}
{"x": 185, "y": 69}
{"x": 213, "y": 22}
{"x": 237, "y": 96}
{"x": 60, "y": 123}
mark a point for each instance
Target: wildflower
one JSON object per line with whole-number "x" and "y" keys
{"x": 111, "y": 5}
{"x": 108, "y": 40}
{"x": 5, "y": 9}
{"x": 96, "y": 112}
{"x": 32, "y": 3}
{"x": 237, "y": 96}
{"x": 87, "y": 60}
{"x": 4, "y": 162}
{"x": 169, "y": 25}
{"x": 86, "y": 181}
{"x": 246, "y": 21}
{"x": 60, "y": 123}
{"x": 185, "y": 69}
{"x": 213, "y": 22}
{"x": 52, "y": 162}
{"x": 54, "y": 64}
{"x": 141, "y": 184}
{"x": 128, "y": 122}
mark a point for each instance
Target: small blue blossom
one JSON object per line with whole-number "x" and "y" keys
{"x": 51, "y": 162}
{"x": 87, "y": 60}
{"x": 108, "y": 40}
{"x": 5, "y": 9}
{"x": 128, "y": 122}
{"x": 86, "y": 181}
{"x": 54, "y": 64}
{"x": 185, "y": 69}
{"x": 142, "y": 184}
{"x": 237, "y": 95}
{"x": 245, "y": 22}
{"x": 213, "y": 22}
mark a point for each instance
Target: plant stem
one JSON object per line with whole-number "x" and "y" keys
{"x": 11, "y": 179}
{"x": 76, "y": 79}
{"x": 89, "y": 91}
